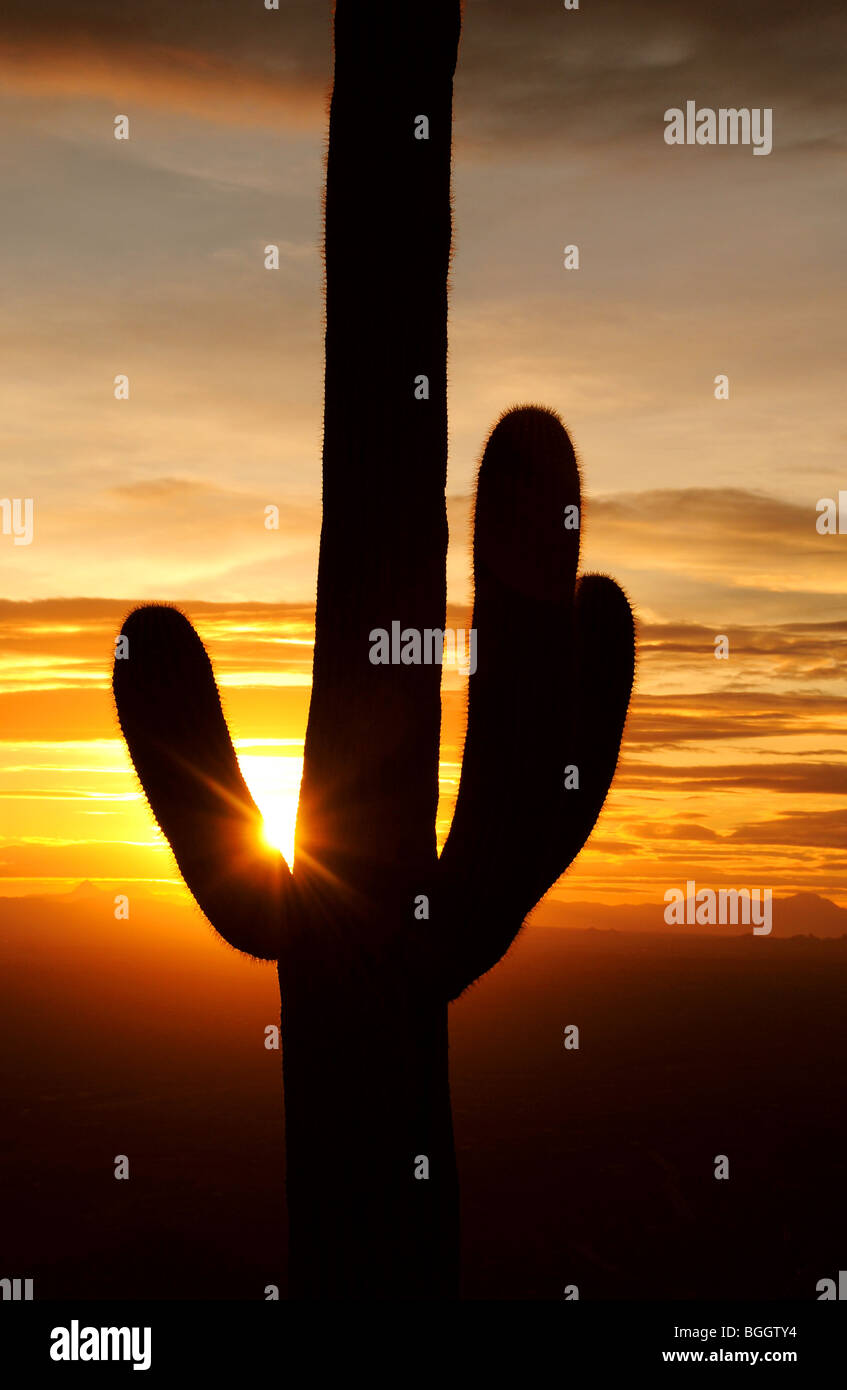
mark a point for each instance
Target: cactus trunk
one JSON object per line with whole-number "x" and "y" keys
{"x": 366, "y": 1099}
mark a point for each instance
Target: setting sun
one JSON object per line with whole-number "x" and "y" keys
{"x": 274, "y": 781}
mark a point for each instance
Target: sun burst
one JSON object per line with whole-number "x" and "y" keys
{"x": 274, "y": 783}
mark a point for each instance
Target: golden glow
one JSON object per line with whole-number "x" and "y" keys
{"x": 762, "y": 802}
{"x": 274, "y": 783}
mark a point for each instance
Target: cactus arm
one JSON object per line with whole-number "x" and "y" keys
{"x": 370, "y": 786}
{"x": 551, "y": 690}
{"x": 170, "y": 714}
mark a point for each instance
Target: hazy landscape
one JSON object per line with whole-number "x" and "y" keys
{"x": 145, "y": 1037}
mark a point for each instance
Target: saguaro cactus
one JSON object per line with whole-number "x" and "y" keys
{"x": 365, "y": 985}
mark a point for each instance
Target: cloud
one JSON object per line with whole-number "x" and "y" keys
{"x": 744, "y": 537}
{"x": 240, "y": 64}
{"x": 816, "y": 829}
{"x": 681, "y": 831}
{"x": 782, "y": 654}
{"x": 137, "y": 74}
{"x": 726, "y": 551}
{"x": 673, "y": 721}
{"x": 604, "y": 75}
{"x": 794, "y": 778}
{"x": 608, "y": 73}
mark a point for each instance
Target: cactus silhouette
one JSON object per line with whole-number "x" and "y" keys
{"x": 364, "y": 984}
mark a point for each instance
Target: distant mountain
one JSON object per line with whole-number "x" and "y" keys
{"x": 808, "y": 914}
{"x": 82, "y": 892}
{"x": 87, "y": 892}
{"x": 803, "y": 914}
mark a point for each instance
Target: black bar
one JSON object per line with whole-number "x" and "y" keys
{"x": 296, "y": 1345}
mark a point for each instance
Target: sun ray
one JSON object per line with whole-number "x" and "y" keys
{"x": 274, "y": 784}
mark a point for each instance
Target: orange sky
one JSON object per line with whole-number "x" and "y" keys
{"x": 146, "y": 258}
{"x": 732, "y": 773}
